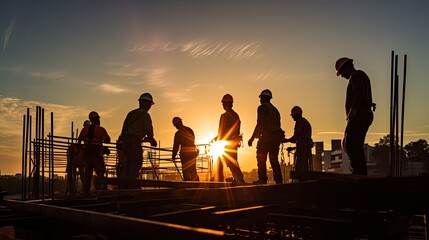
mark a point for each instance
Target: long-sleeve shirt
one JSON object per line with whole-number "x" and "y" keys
{"x": 302, "y": 133}
{"x": 185, "y": 139}
{"x": 359, "y": 96}
{"x": 138, "y": 124}
{"x": 268, "y": 125}
{"x": 229, "y": 126}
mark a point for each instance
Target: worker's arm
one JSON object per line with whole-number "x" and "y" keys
{"x": 261, "y": 121}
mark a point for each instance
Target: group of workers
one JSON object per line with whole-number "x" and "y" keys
{"x": 137, "y": 128}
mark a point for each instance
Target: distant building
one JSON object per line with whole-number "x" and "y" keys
{"x": 317, "y": 157}
{"x": 336, "y": 160}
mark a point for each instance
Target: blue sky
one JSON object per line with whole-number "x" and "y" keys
{"x": 72, "y": 57}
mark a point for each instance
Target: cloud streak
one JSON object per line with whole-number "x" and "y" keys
{"x": 7, "y": 32}
{"x": 12, "y": 111}
{"x": 112, "y": 88}
{"x": 205, "y": 48}
{"x": 152, "y": 76}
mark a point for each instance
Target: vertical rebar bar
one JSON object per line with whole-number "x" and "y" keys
{"x": 402, "y": 113}
{"x": 29, "y": 176}
{"x": 42, "y": 143}
{"x": 391, "y": 137}
{"x": 52, "y": 169}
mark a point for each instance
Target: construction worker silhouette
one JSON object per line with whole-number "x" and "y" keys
{"x": 74, "y": 163}
{"x": 302, "y": 138}
{"x": 359, "y": 114}
{"x": 229, "y": 131}
{"x": 268, "y": 130}
{"x": 185, "y": 139}
{"x": 93, "y": 136}
{"x": 137, "y": 127}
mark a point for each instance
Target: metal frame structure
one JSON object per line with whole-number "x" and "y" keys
{"x": 45, "y": 157}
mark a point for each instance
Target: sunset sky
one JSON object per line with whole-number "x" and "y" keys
{"x": 73, "y": 57}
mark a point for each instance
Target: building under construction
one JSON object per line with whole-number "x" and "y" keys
{"x": 159, "y": 205}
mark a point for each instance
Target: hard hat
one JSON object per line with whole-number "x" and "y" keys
{"x": 146, "y": 96}
{"x": 93, "y": 114}
{"x": 176, "y": 120}
{"x": 340, "y": 63}
{"x": 86, "y": 123}
{"x": 227, "y": 98}
{"x": 296, "y": 110}
{"x": 266, "y": 92}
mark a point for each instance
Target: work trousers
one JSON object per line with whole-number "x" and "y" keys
{"x": 270, "y": 148}
{"x": 133, "y": 161}
{"x": 230, "y": 158}
{"x": 302, "y": 159}
{"x": 93, "y": 160}
{"x": 354, "y": 139}
{"x": 189, "y": 166}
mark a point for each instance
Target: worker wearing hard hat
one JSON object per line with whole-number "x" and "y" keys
{"x": 185, "y": 139}
{"x": 93, "y": 136}
{"x": 268, "y": 131}
{"x": 229, "y": 131}
{"x": 302, "y": 138}
{"x": 136, "y": 128}
{"x": 358, "y": 110}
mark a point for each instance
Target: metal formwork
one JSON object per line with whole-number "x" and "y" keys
{"x": 320, "y": 208}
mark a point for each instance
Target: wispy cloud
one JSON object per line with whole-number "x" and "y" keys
{"x": 152, "y": 76}
{"x": 205, "y": 48}
{"x": 12, "y": 111}
{"x": 55, "y": 75}
{"x": 229, "y": 50}
{"x": 181, "y": 95}
{"x": 178, "y": 96}
{"x": 155, "y": 46}
{"x": 112, "y": 88}
{"x": 262, "y": 76}
{"x": 7, "y": 32}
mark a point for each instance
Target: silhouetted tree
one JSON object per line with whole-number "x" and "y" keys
{"x": 418, "y": 152}
{"x": 416, "y": 149}
{"x": 381, "y": 153}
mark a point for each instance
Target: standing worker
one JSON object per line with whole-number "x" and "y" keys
{"x": 136, "y": 128}
{"x": 229, "y": 131}
{"x": 93, "y": 136}
{"x": 185, "y": 139}
{"x": 302, "y": 138}
{"x": 270, "y": 134}
{"x": 359, "y": 114}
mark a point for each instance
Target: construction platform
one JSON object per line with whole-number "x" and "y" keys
{"x": 321, "y": 206}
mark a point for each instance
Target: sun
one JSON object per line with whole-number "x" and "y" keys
{"x": 217, "y": 148}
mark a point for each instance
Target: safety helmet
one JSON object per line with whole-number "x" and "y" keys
{"x": 86, "y": 123}
{"x": 340, "y": 63}
{"x": 267, "y": 93}
{"x": 93, "y": 114}
{"x": 227, "y": 98}
{"x": 176, "y": 120}
{"x": 296, "y": 110}
{"x": 146, "y": 96}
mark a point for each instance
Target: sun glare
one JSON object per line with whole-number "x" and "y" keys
{"x": 217, "y": 148}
